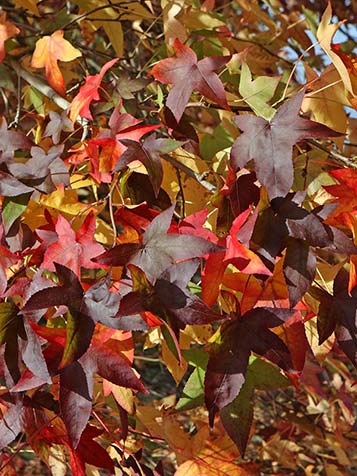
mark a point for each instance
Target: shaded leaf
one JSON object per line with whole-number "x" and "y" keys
{"x": 229, "y": 357}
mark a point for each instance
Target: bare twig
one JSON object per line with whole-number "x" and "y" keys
{"x": 40, "y": 85}
{"x": 349, "y": 162}
{"x": 177, "y": 164}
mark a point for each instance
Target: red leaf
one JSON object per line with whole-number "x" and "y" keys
{"x": 187, "y": 74}
{"x": 7, "y": 30}
{"x": 73, "y": 249}
{"x": 88, "y": 93}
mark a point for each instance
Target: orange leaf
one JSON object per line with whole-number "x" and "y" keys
{"x": 7, "y": 30}
{"x": 88, "y": 93}
{"x": 48, "y": 51}
{"x": 215, "y": 458}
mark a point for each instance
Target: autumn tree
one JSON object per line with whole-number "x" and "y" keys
{"x": 178, "y": 284}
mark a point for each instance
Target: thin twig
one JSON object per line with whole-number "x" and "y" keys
{"x": 335, "y": 155}
{"x": 177, "y": 164}
{"x": 40, "y": 85}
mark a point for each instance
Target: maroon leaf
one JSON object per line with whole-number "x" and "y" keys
{"x": 148, "y": 153}
{"x": 187, "y": 74}
{"x": 76, "y": 392}
{"x": 11, "y": 141}
{"x": 76, "y": 385}
{"x": 299, "y": 269}
{"x": 84, "y": 309}
{"x": 228, "y": 360}
{"x": 270, "y": 144}
{"x": 89, "y": 451}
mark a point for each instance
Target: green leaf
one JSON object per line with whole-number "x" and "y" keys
{"x": 193, "y": 392}
{"x": 259, "y": 92}
{"x": 237, "y": 417}
{"x": 12, "y": 209}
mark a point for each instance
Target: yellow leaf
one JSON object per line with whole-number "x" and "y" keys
{"x": 173, "y": 365}
{"x": 48, "y": 51}
{"x": 60, "y": 201}
{"x": 30, "y": 5}
{"x": 215, "y": 458}
{"x": 327, "y": 99}
{"x": 325, "y": 34}
{"x": 173, "y": 28}
{"x": 124, "y": 396}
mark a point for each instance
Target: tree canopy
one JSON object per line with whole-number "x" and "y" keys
{"x": 178, "y": 236}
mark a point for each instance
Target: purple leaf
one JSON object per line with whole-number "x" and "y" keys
{"x": 270, "y": 144}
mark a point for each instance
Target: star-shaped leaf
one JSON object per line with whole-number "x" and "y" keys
{"x": 48, "y": 51}
{"x": 88, "y": 93}
{"x": 148, "y": 152}
{"x": 169, "y": 298}
{"x": 186, "y": 74}
{"x": 229, "y": 356}
{"x": 42, "y": 171}
{"x": 57, "y": 124}
{"x": 159, "y": 249}
{"x": 73, "y": 249}
{"x": 270, "y": 144}
{"x": 84, "y": 310}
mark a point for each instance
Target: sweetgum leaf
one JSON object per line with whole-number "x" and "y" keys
{"x": 88, "y": 93}
{"x": 299, "y": 269}
{"x": 44, "y": 170}
{"x": 345, "y": 306}
{"x": 11, "y": 141}
{"x": 168, "y": 298}
{"x": 76, "y": 392}
{"x": 237, "y": 417}
{"x": 159, "y": 249}
{"x": 11, "y": 187}
{"x": 148, "y": 153}
{"x": 48, "y": 51}
{"x": 73, "y": 249}
{"x": 84, "y": 310}
{"x": 270, "y": 144}
{"x": 19, "y": 340}
{"x": 229, "y": 358}
{"x": 12, "y": 421}
{"x": 76, "y": 385}
{"x": 187, "y": 74}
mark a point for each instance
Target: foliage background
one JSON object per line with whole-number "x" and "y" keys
{"x": 95, "y": 144}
